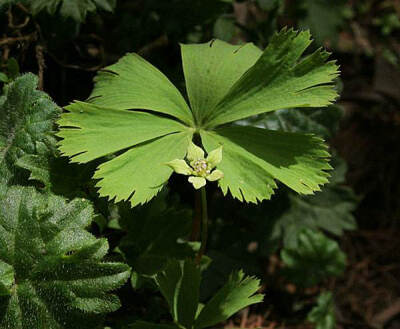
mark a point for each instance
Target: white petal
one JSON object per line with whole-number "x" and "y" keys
{"x": 215, "y": 157}
{"x": 194, "y": 152}
{"x": 215, "y": 175}
{"x": 197, "y": 182}
{"x": 180, "y": 167}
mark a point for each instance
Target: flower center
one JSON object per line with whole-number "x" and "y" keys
{"x": 201, "y": 167}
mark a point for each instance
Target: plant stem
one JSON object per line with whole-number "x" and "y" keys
{"x": 196, "y": 225}
{"x": 204, "y": 226}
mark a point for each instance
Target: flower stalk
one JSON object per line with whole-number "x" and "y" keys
{"x": 204, "y": 225}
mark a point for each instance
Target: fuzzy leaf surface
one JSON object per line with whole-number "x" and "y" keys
{"x": 26, "y": 120}
{"x": 59, "y": 279}
{"x": 253, "y": 157}
{"x": 133, "y": 83}
{"x": 280, "y": 80}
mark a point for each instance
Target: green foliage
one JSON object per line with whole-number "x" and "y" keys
{"x": 27, "y": 117}
{"x": 155, "y": 234}
{"x": 323, "y": 18}
{"x": 314, "y": 258}
{"x": 75, "y": 9}
{"x": 320, "y": 121}
{"x": 180, "y": 284}
{"x": 224, "y": 83}
{"x": 323, "y": 314}
{"x": 52, "y": 273}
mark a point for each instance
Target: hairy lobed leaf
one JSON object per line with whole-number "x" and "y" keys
{"x": 51, "y": 271}
{"x": 26, "y": 120}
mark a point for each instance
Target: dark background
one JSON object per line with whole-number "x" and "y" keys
{"x": 363, "y": 37}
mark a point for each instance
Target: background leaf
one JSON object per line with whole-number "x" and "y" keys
{"x": 315, "y": 258}
{"x": 323, "y": 314}
{"x": 238, "y": 293}
{"x": 153, "y": 234}
{"x": 179, "y": 284}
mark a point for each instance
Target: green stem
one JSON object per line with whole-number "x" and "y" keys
{"x": 204, "y": 224}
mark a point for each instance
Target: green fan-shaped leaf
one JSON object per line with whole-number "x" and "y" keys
{"x": 314, "y": 258}
{"x": 26, "y": 120}
{"x": 254, "y": 156}
{"x": 238, "y": 293}
{"x": 75, "y": 9}
{"x": 58, "y": 279}
{"x": 211, "y": 69}
{"x": 180, "y": 284}
{"x": 323, "y": 314}
{"x": 224, "y": 83}
{"x": 279, "y": 80}
{"x": 133, "y": 83}
{"x": 140, "y": 173}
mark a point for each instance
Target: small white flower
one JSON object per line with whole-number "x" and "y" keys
{"x": 199, "y": 169}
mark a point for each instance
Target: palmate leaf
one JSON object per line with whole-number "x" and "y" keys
{"x": 314, "y": 258}
{"x": 224, "y": 83}
{"x": 51, "y": 270}
{"x": 26, "y": 120}
{"x": 180, "y": 284}
{"x": 236, "y": 294}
